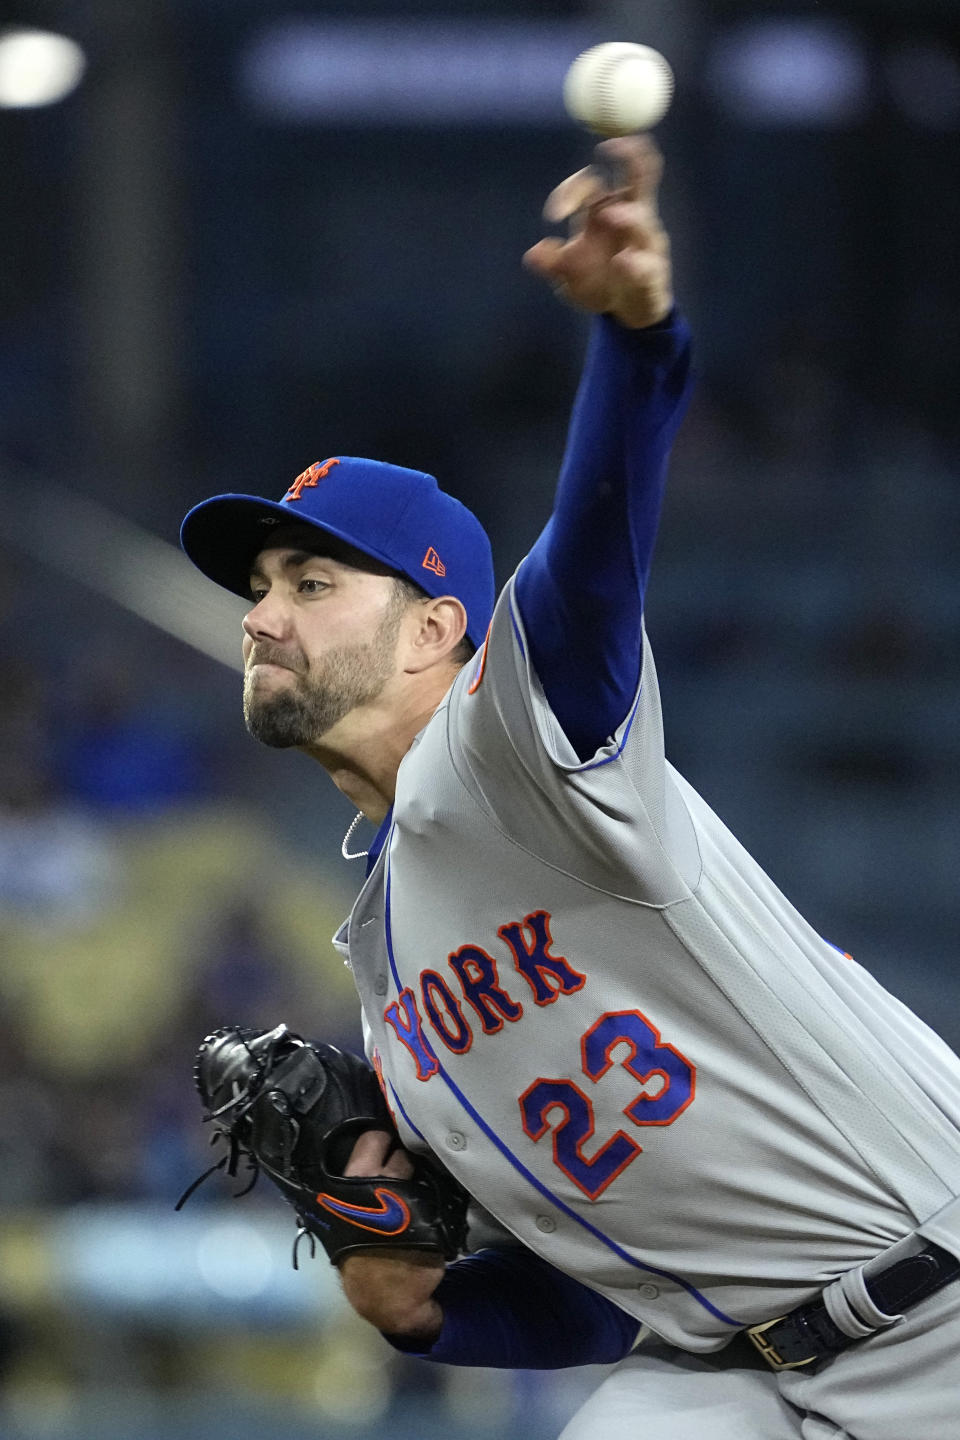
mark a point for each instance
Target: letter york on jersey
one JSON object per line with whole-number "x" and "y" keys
{"x": 651, "y": 1061}
{"x": 476, "y": 977}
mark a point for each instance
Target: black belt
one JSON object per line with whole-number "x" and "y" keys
{"x": 808, "y": 1335}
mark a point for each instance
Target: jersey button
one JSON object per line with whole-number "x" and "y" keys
{"x": 648, "y": 1292}
{"x": 380, "y": 985}
{"x": 546, "y": 1223}
{"x": 456, "y": 1141}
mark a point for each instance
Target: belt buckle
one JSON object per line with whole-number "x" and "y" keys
{"x": 757, "y": 1337}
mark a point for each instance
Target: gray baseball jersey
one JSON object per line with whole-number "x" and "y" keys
{"x": 607, "y": 1021}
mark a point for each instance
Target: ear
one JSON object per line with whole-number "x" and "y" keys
{"x": 437, "y": 626}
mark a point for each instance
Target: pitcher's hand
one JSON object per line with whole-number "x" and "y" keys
{"x": 394, "y": 1292}
{"x": 616, "y": 259}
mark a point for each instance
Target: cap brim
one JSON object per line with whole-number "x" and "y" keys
{"x": 224, "y": 535}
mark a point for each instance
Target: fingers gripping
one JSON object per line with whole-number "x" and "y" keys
{"x": 638, "y": 160}
{"x": 377, "y": 1152}
{"x": 616, "y": 258}
{"x": 573, "y": 194}
{"x": 634, "y": 161}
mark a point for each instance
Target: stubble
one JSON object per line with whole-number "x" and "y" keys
{"x": 321, "y": 694}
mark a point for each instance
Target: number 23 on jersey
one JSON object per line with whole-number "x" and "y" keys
{"x": 667, "y": 1081}
{"x": 560, "y": 1107}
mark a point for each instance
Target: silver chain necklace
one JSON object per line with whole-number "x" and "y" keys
{"x": 344, "y": 851}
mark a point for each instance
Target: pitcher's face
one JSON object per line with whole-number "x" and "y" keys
{"x": 319, "y": 641}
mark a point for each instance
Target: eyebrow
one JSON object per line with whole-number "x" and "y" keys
{"x": 293, "y": 561}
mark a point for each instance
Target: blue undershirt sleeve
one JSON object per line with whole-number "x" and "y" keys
{"x": 508, "y": 1309}
{"x": 580, "y": 590}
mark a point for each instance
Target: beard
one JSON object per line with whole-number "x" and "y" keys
{"x": 318, "y": 695}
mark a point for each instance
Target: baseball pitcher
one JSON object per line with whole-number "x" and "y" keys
{"x": 703, "y": 1132}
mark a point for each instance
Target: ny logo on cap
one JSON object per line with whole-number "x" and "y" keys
{"x": 310, "y": 476}
{"x": 432, "y": 561}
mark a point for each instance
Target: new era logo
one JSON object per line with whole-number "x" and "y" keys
{"x": 310, "y": 477}
{"x": 432, "y": 561}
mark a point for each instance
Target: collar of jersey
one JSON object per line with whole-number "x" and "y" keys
{"x": 377, "y": 844}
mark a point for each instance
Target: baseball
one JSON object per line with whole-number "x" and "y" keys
{"x": 617, "y": 88}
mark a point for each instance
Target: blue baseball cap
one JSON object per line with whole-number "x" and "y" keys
{"x": 399, "y": 517}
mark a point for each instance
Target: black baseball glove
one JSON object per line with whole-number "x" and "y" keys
{"x": 294, "y": 1109}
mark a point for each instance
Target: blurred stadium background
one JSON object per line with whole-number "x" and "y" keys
{"x": 241, "y": 235}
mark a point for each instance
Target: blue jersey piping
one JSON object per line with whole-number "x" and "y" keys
{"x": 516, "y": 628}
{"x": 400, "y": 1106}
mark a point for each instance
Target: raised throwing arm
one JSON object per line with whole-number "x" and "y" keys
{"x": 581, "y": 589}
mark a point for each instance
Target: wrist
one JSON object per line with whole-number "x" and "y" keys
{"x": 395, "y": 1292}
{"x": 661, "y": 320}
{"x": 422, "y": 1332}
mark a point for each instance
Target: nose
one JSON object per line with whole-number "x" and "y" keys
{"x": 267, "y": 620}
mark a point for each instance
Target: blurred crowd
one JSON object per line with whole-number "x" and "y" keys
{"x": 141, "y": 907}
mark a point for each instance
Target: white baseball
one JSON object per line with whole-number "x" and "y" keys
{"x": 617, "y": 88}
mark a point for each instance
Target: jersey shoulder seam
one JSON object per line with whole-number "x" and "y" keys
{"x": 481, "y": 805}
